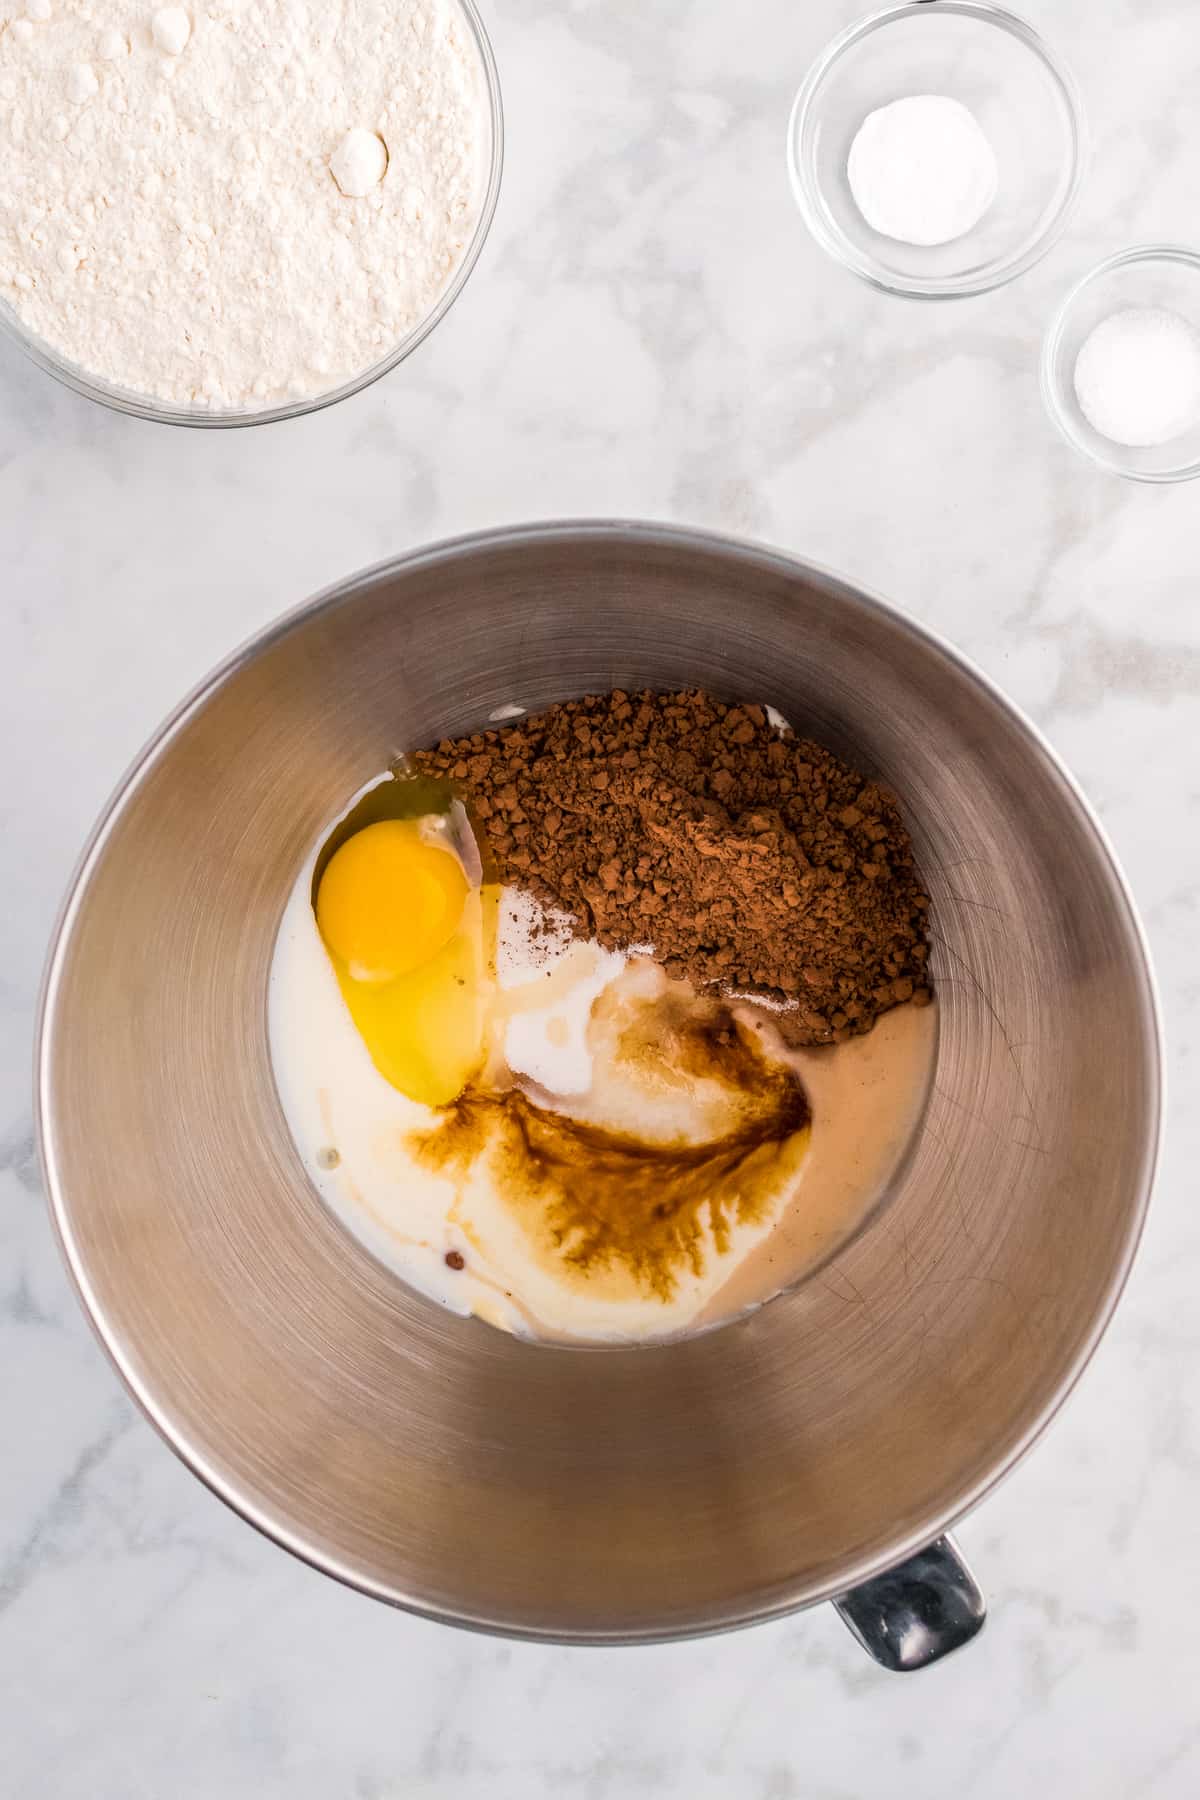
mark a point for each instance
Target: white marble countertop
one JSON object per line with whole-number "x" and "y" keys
{"x": 651, "y": 333}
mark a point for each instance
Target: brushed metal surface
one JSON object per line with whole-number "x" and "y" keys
{"x": 622, "y": 1493}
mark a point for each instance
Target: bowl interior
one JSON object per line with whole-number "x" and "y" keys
{"x": 622, "y": 1493}
{"x": 1152, "y": 277}
{"x": 998, "y": 68}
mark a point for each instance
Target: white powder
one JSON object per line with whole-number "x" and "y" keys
{"x": 171, "y": 218}
{"x": 537, "y": 951}
{"x": 359, "y": 163}
{"x": 921, "y": 170}
{"x": 530, "y": 938}
{"x": 1137, "y": 377}
{"x": 170, "y": 28}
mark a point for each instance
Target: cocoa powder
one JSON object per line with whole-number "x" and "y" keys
{"x": 752, "y": 860}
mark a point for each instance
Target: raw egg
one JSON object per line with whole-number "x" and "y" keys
{"x": 403, "y": 928}
{"x": 389, "y": 900}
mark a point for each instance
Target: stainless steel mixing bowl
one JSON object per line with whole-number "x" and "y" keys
{"x": 617, "y": 1494}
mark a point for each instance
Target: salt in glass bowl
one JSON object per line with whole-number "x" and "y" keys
{"x": 164, "y": 412}
{"x": 1149, "y": 275}
{"x": 1024, "y": 99}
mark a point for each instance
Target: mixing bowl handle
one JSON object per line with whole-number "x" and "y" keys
{"x": 921, "y": 1610}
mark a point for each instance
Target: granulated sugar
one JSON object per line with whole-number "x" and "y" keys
{"x": 171, "y": 218}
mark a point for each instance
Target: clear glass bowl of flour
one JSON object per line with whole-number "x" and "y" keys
{"x": 145, "y": 406}
{"x": 1135, "y": 380}
{"x": 1023, "y": 100}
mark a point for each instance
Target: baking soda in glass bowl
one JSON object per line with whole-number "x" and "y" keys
{"x": 985, "y": 148}
{"x": 921, "y": 170}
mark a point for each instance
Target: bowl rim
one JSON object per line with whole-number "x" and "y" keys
{"x": 807, "y": 192}
{"x": 144, "y": 406}
{"x": 645, "y": 536}
{"x": 1053, "y": 388}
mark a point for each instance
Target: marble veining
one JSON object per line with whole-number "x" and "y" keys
{"x": 649, "y": 333}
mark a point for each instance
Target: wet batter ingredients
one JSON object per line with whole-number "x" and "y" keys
{"x": 625, "y": 1159}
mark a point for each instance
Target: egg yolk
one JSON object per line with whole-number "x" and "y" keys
{"x": 389, "y": 900}
{"x": 405, "y": 934}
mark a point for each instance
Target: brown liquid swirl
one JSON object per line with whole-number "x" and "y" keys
{"x": 592, "y": 1198}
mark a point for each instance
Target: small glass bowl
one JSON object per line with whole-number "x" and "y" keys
{"x": 144, "y": 406}
{"x": 1024, "y": 99}
{"x": 1148, "y": 275}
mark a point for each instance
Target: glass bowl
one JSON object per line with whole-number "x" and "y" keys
{"x": 1158, "y": 275}
{"x": 1024, "y": 99}
{"x": 145, "y": 406}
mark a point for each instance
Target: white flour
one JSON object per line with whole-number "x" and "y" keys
{"x": 170, "y": 211}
